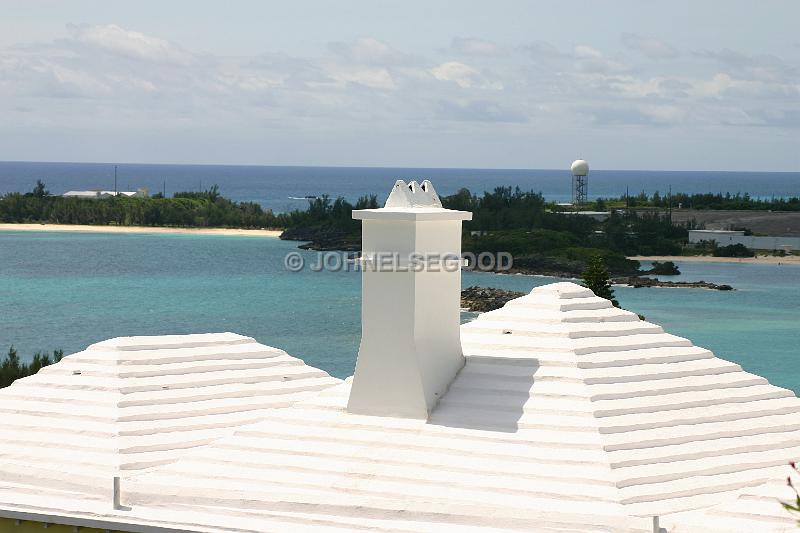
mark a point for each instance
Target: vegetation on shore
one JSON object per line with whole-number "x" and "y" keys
{"x": 11, "y": 368}
{"x": 185, "y": 209}
{"x": 542, "y": 237}
{"x": 719, "y": 201}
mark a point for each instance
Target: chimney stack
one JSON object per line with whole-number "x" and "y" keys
{"x": 410, "y": 304}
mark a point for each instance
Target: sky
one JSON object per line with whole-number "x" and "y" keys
{"x": 679, "y": 85}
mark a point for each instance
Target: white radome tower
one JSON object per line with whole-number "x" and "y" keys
{"x": 580, "y": 181}
{"x": 410, "y": 348}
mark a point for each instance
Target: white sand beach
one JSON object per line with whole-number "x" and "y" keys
{"x": 142, "y": 229}
{"x": 761, "y": 259}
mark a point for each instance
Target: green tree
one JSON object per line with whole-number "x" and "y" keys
{"x": 11, "y": 368}
{"x": 596, "y": 278}
{"x": 40, "y": 191}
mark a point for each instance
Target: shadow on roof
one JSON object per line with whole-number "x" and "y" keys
{"x": 488, "y": 396}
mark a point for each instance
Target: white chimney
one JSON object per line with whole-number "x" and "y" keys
{"x": 410, "y": 304}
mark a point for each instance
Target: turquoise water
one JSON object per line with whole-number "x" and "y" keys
{"x": 68, "y": 290}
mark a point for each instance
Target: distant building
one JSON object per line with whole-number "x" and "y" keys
{"x": 726, "y": 238}
{"x": 141, "y": 192}
{"x": 600, "y": 216}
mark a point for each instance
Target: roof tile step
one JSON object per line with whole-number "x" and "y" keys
{"x": 623, "y": 358}
{"x": 696, "y": 449}
{"x": 329, "y": 487}
{"x": 633, "y": 389}
{"x": 158, "y": 342}
{"x": 721, "y": 482}
{"x": 703, "y": 466}
{"x": 700, "y": 415}
{"x": 647, "y": 372}
{"x": 708, "y": 432}
{"x": 170, "y": 396}
{"x": 676, "y": 401}
{"x": 221, "y": 378}
{"x": 488, "y": 457}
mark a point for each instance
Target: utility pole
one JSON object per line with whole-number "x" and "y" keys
{"x": 115, "y": 180}
{"x": 669, "y": 205}
{"x": 164, "y": 189}
{"x": 627, "y": 202}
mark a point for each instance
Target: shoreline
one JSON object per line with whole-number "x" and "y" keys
{"x": 758, "y": 260}
{"x": 82, "y": 228}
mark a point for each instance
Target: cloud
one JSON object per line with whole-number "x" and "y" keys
{"x": 478, "y": 111}
{"x": 119, "y": 79}
{"x": 589, "y": 60}
{"x": 374, "y": 78}
{"x": 464, "y": 76}
{"x": 542, "y": 50}
{"x": 474, "y": 47}
{"x": 649, "y": 46}
{"x": 764, "y": 67}
{"x": 367, "y": 51}
{"x": 130, "y": 44}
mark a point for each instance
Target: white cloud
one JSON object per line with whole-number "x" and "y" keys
{"x": 592, "y": 61}
{"x": 374, "y": 78}
{"x": 474, "y": 47}
{"x": 463, "y": 75}
{"x": 132, "y": 44}
{"x": 367, "y": 51}
{"x": 119, "y": 79}
{"x": 649, "y": 46}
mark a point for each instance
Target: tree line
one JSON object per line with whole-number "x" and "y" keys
{"x": 11, "y": 368}
{"x": 507, "y": 219}
{"x": 718, "y": 201}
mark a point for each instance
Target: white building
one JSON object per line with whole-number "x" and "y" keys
{"x": 556, "y": 413}
{"x": 97, "y": 194}
{"x": 726, "y": 238}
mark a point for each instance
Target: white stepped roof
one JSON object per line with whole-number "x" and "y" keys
{"x": 138, "y": 402}
{"x": 570, "y": 415}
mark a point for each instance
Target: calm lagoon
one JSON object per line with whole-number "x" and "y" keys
{"x": 68, "y": 290}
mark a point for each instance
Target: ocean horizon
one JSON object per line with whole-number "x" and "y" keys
{"x": 284, "y": 188}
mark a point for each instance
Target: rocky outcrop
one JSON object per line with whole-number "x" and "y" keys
{"x": 562, "y": 267}
{"x": 637, "y": 282}
{"x": 323, "y": 239}
{"x": 481, "y": 299}
{"x": 667, "y": 268}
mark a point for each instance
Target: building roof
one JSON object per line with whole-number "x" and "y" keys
{"x": 100, "y": 194}
{"x": 569, "y": 415}
{"x": 138, "y": 402}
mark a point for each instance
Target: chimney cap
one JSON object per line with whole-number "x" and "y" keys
{"x": 412, "y": 201}
{"x": 413, "y": 194}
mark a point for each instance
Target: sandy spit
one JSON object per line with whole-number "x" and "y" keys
{"x": 758, "y": 260}
{"x": 141, "y": 229}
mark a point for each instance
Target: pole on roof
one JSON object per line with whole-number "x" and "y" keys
{"x": 117, "y": 504}
{"x": 657, "y": 526}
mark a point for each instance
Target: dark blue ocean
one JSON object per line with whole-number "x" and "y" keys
{"x": 273, "y": 187}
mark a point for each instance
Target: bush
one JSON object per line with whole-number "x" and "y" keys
{"x": 733, "y": 250}
{"x": 596, "y": 278}
{"x": 11, "y": 368}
